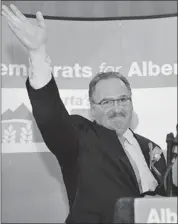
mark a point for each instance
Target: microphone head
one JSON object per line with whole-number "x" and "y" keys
{"x": 170, "y": 138}
{"x": 124, "y": 211}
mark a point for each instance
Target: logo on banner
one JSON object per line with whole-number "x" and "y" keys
{"x": 19, "y": 126}
{"x": 20, "y": 132}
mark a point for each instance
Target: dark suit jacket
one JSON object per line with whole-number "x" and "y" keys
{"x": 95, "y": 168}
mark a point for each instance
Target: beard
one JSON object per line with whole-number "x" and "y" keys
{"x": 118, "y": 122}
{"x": 115, "y": 115}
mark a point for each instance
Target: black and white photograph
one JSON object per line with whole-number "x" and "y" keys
{"x": 89, "y": 130}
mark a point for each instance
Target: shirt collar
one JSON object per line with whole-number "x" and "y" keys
{"x": 128, "y": 135}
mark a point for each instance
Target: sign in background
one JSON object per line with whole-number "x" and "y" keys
{"x": 145, "y": 51}
{"x": 156, "y": 210}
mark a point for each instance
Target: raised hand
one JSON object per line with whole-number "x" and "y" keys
{"x": 32, "y": 35}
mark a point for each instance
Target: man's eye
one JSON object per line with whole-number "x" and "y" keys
{"x": 124, "y": 99}
{"x": 105, "y": 102}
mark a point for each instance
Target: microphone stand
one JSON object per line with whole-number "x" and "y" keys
{"x": 171, "y": 156}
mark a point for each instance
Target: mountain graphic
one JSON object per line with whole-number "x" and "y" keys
{"x": 8, "y": 114}
{"x": 22, "y": 112}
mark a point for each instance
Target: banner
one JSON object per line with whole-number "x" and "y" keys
{"x": 143, "y": 50}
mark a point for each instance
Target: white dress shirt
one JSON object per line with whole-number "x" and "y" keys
{"x": 145, "y": 178}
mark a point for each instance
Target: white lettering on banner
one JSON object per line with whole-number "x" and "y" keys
{"x": 87, "y": 72}
{"x": 55, "y": 70}
{"x": 134, "y": 70}
{"x": 14, "y": 69}
{"x": 76, "y": 102}
{"x": 143, "y": 69}
{"x": 151, "y": 69}
{"x": 67, "y": 72}
{"x": 17, "y": 69}
{"x": 76, "y": 71}
{"x": 104, "y": 68}
{"x": 4, "y": 69}
{"x": 166, "y": 69}
{"x": 165, "y": 215}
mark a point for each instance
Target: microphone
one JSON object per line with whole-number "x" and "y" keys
{"x": 175, "y": 162}
{"x": 171, "y": 158}
{"x": 124, "y": 211}
{"x": 175, "y": 147}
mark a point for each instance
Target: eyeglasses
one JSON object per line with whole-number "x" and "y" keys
{"x": 107, "y": 103}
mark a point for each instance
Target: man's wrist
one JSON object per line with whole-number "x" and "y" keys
{"x": 40, "y": 68}
{"x": 39, "y": 54}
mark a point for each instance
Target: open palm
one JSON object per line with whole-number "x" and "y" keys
{"x": 31, "y": 34}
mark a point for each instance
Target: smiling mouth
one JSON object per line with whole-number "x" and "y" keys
{"x": 117, "y": 119}
{"x": 118, "y": 116}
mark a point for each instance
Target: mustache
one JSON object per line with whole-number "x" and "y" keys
{"x": 117, "y": 114}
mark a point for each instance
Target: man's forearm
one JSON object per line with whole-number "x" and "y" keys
{"x": 40, "y": 68}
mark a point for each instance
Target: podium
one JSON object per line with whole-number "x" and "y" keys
{"x": 146, "y": 210}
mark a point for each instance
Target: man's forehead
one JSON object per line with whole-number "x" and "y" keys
{"x": 110, "y": 88}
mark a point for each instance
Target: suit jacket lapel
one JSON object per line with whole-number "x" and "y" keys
{"x": 160, "y": 165}
{"x": 144, "y": 147}
{"x": 113, "y": 148}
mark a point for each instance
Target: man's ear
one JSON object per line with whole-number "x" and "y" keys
{"x": 134, "y": 121}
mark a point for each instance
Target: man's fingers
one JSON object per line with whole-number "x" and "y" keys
{"x": 9, "y": 20}
{"x": 40, "y": 19}
{"x": 6, "y": 15}
{"x": 15, "y": 30}
{"x": 17, "y": 12}
{"x": 9, "y": 15}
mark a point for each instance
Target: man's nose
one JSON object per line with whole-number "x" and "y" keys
{"x": 117, "y": 106}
